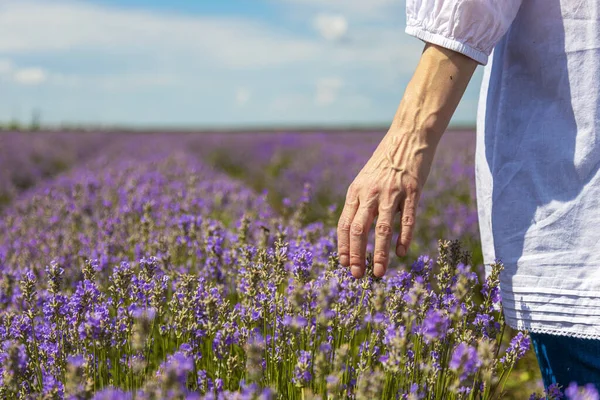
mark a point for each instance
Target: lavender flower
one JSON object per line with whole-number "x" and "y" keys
{"x": 148, "y": 269}
{"x": 587, "y": 392}
{"x": 302, "y": 372}
{"x": 464, "y": 360}
{"x": 435, "y": 325}
{"x": 517, "y": 349}
{"x": 554, "y": 392}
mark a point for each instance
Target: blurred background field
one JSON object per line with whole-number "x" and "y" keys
{"x": 285, "y": 165}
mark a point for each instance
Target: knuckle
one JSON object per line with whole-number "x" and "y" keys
{"x": 373, "y": 192}
{"x": 357, "y": 229}
{"x": 355, "y": 258}
{"x": 352, "y": 195}
{"x": 408, "y": 220}
{"x": 391, "y": 191}
{"x": 411, "y": 187}
{"x": 352, "y": 190}
{"x": 351, "y": 201}
{"x": 371, "y": 206}
{"x": 386, "y": 207}
{"x": 343, "y": 225}
{"x": 383, "y": 229}
{"x": 380, "y": 256}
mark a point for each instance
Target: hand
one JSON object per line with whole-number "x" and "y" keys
{"x": 390, "y": 182}
{"x": 393, "y": 178}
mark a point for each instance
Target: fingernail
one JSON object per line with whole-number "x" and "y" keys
{"x": 344, "y": 260}
{"x": 378, "y": 270}
{"x": 401, "y": 251}
{"x": 355, "y": 270}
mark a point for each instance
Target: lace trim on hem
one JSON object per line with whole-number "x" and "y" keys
{"x": 526, "y": 326}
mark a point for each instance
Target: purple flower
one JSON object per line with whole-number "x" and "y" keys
{"x": 464, "y": 360}
{"x": 536, "y": 396}
{"x": 76, "y": 360}
{"x": 325, "y": 348}
{"x": 435, "y": 325}
{"x": 302, "y": 372}
{"x": 303, "y": 261}
{"x": 112, "y": 394}
{"x": 484, "y": 321}
{"x": 143, "y": 313}
{"x": 266, "y": 394}
{"x": 435, "y": 358}
{"x": 219, "y": 384}
{"x": 16, "y": 358}
{"x": 221, "y": 344}
{"x": 588, "y": 392}
{"x": 55, "y": 273}
{"x": 496, "y": 296}
{"x": 423, "y": 265}
{"x": 554, "y": 392}
{"x": 494, "y": 292}
{"x": 517, "y": 348}
{"x": 178, "y": 366}
{"x": 287, "y": 320}
{"x": 96, "y": 324}
{"x": 51, "y": 386}
{"x": 299, "y": 322}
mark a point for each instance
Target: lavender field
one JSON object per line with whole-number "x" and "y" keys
{"x": 203, "y": 266}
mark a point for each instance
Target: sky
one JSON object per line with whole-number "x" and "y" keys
{"x": 204, "y": 63}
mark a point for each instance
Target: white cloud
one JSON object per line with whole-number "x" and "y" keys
{"x": 242, "y": 96}
{"x": 6, "y": 66}
{"x": 23, "y": 76}
{"x": 67, "y": 26}
{"x": 360, "y": 8}
{"x": 30, "y": 76}
{"x": 327, "y": 90}
{"x": 198, "y": 66}
{"x": 331, "y": 26}
{"x": 177, "y": 46}
{"x": 37, "y": 75}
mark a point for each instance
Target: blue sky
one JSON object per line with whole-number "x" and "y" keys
{"x": 208, "y": 63}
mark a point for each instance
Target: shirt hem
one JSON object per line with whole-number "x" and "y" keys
{"x": 528, "y": 326}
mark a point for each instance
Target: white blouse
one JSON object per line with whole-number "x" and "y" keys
{"x": 538, "y": 149}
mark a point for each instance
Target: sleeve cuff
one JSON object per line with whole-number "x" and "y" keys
{"x": 451, "y": 44}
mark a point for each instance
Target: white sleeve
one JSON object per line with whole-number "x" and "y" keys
{"x": 470, "y": 27}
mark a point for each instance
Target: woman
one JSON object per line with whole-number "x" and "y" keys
{"x": 537, "y": 161}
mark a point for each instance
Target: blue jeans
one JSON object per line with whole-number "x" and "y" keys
{"x": 565, "y": 359}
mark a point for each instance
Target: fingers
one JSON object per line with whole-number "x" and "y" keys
{"x": 383, "y": 237}
{"x": 343, "y": 230}
{"x": 357, "y": 217}
{"x": 359, "y": 230}
{"x": 407, "y": 224}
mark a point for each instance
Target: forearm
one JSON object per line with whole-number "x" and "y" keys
{"x": 433, "y": 94}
